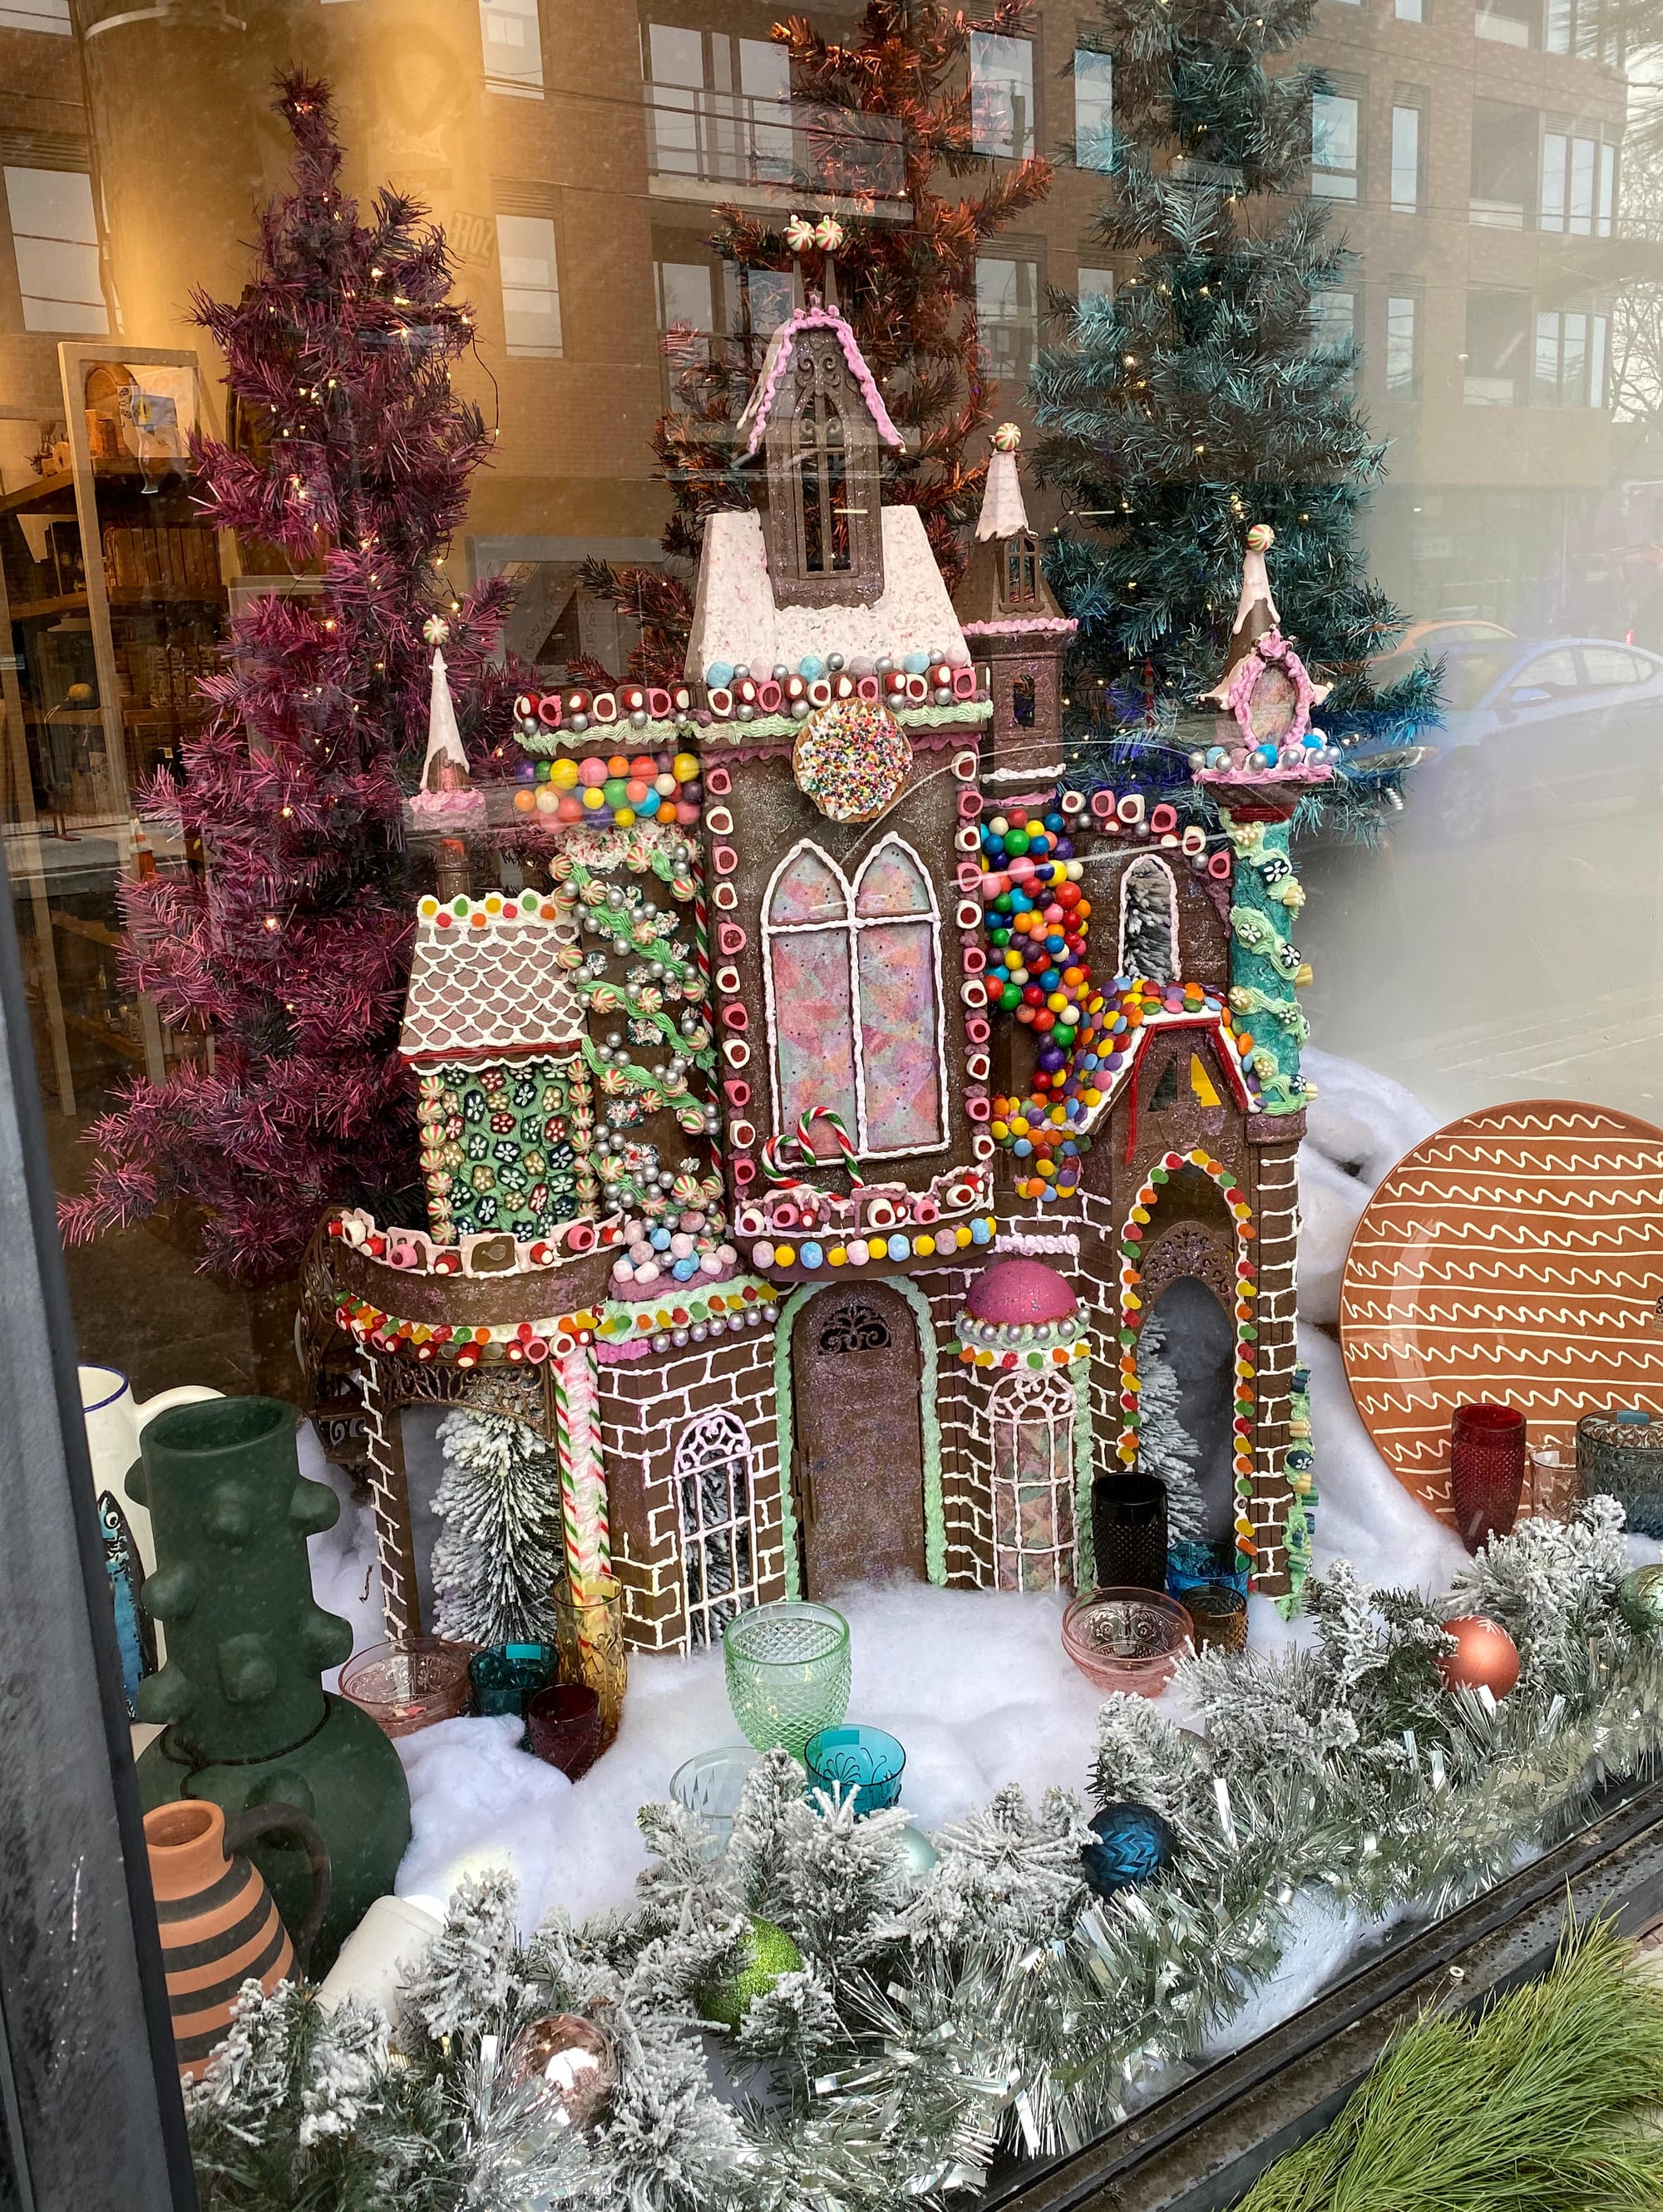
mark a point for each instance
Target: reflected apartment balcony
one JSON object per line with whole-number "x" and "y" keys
{"x": 704, "y": 143}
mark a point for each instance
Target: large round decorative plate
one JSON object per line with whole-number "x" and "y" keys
{"x": 1516, "y": 1255}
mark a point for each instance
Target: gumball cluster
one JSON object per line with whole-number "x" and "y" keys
{"x": 611, "y": 791}
{"x": 1038, "y": 918}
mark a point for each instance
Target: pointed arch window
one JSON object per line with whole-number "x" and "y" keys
{"x": 1021, "y": 573}
{"x": 1148, "y": 921}
{"x": 855, "y": 1000}
{"x": 823, "y": 522}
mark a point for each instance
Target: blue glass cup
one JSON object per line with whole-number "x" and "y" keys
{"x": 863, "y": 1762}
{"x": 505, "y": 1677}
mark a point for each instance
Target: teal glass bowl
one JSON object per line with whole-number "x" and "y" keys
{"x": 788, "y": 1673}
{"x": 861, "y": 1762}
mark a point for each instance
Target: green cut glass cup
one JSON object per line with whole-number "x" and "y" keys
{"x": 788, "y": 1673}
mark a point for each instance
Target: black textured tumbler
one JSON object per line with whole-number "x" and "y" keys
{"x": 1128, "y": 1531}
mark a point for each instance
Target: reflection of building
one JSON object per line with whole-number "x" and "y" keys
{"x": 575, "y": 156}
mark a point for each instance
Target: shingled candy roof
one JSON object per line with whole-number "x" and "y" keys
{"x": 487, "y": 982}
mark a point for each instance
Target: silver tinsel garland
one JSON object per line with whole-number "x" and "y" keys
{"x": 993, "y": 2005}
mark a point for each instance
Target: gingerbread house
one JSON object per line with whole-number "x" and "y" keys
{"x": 945, "y": 1175}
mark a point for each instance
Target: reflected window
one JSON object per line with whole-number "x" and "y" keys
{"x": 531, "y": 286}
{"x": 1411, "y": 11}
{"x": 1093, "y": 108}
{"x": 1007, "y": 315}
{"x": 1510, "y": 22}
{"x": 513, "y": 42}
{"x": 55, "y": 237}
{"x": 1094, "y": 283}
{"x": 1497, "y": 340}
{"x": 1334, "y": 139}
{"x": 1503, "y": 165}
{"x": 1569, "y": 368}
{"x": 1333, "y": 317}
{"x": 50, "y": 15}
{"x": 683, "y": 301}
{"x": 1403, "y": 341}
{"x": 1579, "y": 184}
{"x": 719, "y": 107}
{"x": 1405, "y": 158}
{"x": 1001, "y": 95}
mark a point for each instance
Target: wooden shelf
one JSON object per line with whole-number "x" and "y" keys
{"x": 76, "y": 925}
{"x": 123, "y": 475}
{"x": 116, "y": 1040}
{"x": 118, "y": 595}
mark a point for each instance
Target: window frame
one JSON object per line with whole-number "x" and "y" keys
{"x": 855, "y": 925}
{"x": 690, "y": 1464}
{"x": 1047, "y": 1396}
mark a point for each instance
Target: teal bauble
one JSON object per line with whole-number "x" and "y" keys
{"x": 769, "y": 1955}
{"x": 1639, "y": 1599}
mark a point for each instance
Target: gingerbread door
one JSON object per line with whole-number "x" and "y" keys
{"x": 857, "y": 1457}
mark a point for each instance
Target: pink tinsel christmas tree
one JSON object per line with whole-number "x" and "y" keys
{"x": 288, "y": 943}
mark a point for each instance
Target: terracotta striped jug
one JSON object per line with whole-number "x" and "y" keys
{"x": 219, "y": 1925}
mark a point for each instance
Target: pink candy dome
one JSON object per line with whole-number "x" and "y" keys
{"x": 1014, "y": 1290}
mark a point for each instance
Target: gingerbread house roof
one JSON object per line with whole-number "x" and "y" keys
{"x": 487, "y": 982}
{"x": 752, "y": 425}
{"x": 1108, "y": 1059}
{"x": 736, "y": 622}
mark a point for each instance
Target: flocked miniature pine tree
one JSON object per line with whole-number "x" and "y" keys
{"x": 288, "y": 947}
{"x": 495, "y": 1564}
{"x": 1207, "y": 394}
{"x": 887, "y": 114}
{"x": 1165, "y": 1447}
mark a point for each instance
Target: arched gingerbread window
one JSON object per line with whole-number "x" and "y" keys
{"x": 1019, "y": 583}
{"x": 824, "y": 523}
{"x": 712, "y": 1479}
{"x": 855, "y": 1000}
{"x": 1148, "y": 921}
{"x": 1032, "y": 1418}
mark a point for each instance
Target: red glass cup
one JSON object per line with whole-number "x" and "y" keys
{"x": 1487, "y": 1470}
{"x": 563, "y": 1726}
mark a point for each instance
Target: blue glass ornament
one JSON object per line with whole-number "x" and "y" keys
{"x": 1134, "y": 1845}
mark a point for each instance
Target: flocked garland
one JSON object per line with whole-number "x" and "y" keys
{"x": 914, "y": 2026}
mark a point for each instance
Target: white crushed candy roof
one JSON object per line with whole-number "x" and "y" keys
{"x": 1003, "y": 512}
{"x": 735, "y": 620}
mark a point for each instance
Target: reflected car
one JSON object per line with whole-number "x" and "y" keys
{"x": 1430, "y": 640}
{"x": 1533, "y": 726}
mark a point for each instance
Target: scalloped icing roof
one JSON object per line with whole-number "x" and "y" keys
{"x": 735, "y": 620}
{"x": 484, "y": 986}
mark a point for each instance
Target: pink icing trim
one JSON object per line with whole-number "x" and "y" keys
{"x": 1272, "y": 647}
{"x": 1058, "y": 625}
{"x": 819, "y": 319}
{"x": 453, "y": 806}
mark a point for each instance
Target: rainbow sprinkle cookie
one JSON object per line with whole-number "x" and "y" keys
{"x": 851, "y": 759}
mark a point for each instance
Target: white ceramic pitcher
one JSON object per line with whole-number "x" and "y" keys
{"x": 114, "y": 1419}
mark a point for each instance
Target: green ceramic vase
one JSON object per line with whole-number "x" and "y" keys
{"x": 244, "y": 1719}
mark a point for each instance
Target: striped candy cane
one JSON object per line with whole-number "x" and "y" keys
{"x": 583, "y": 1486}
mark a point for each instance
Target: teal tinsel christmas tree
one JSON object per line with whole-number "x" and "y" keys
{"x": 1210, "y": 392}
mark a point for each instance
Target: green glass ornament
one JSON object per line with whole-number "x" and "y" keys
{"x": 1639, "y": 1598}
{"x": 769, "y": 1953}
{"x": 919, "y": 1853}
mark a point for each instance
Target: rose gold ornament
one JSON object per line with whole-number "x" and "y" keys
{"x": 572, "y": 2058}
{"x": 1485, "y": 1656}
